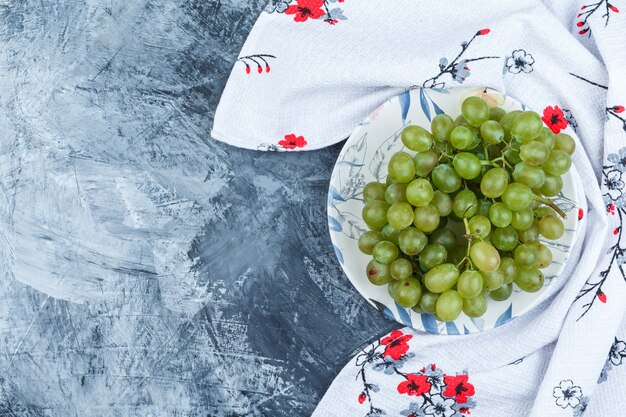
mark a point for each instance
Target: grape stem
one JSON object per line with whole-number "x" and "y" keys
{"x": 469, "y": 237}
{"x": 551, "y": 204}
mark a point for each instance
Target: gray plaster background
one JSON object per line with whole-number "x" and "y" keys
{"x": 146, "y": 269}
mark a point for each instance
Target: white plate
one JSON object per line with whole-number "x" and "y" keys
{"x": 364, "y": 159}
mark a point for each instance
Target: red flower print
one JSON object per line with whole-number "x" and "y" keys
{"x": 554, "y": 118}
{"x": 601, "y": 296}
{"x": 305, "y": 9}
{"x": 614, "y": 9}
{"x": 483, "y": 32}
{"x": 292, "y": 141}
{"x": 611, "y": 209}
{"x": 458, "y": 387}
{"x": 396, "y": 345}
{"x": 414, "y": 385}
{"x": 464, "y": 410}
{"x": 362, "y": 398}
{"x": 618, "y": 109}
{"x": 581, "y": 214}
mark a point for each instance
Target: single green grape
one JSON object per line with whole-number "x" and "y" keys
{"x": 507, "y": 122}
{"x": 425, "y": 162}
{"x": 475, "y": 307}
{"x": 400, "y": 215}
{"x": 469, "y": 284}
{"x": 449, "y": 305}
{"x": 401, "y": 269}
{"x": 445, "y": 178}
{"x": 445, "y": 237}
{"x": 494, "y": 182}
{"x": 552, "y": 186}
{"x": 393, "y": 285}
{"x": 432, "y": 255}
{"x": 475, "y": 111}
{"x": 496, "y": 113}
{"x": 390, "y": 234}
{"x": 374, "y": 191}
{"x": 442, "y": 202}
{"x": 508, "y": 269}
{"x": 416, "y": 138}
{"x": 465, "y": 204}
{"x": 419, "y": 192}
{"x": 378, "y": 272}
{"x": 505, "y": 238}
{"x": 467, "y": 165}
{"x": 389, "y": 181}
{"x": 479, "y": 225}
{"x": 525, "y": 255}
{"x": 441, "y": 278}
{"x": 534, "y": 153}
{"x": 463, "y": 138}
{"x": 395, "y": 193}
{"x": 460, "y": 121}
{"x": 558, "y": 163}
{"x": 401, "y": 167}
{"x": 565, "y": 142}
{"x": 529, "y": 280}
{"x": 551, "y": 227}
{"x": 375, "y": 214}
{"x": 441, "y": 126}
{"x": 529, "y": 235}
{"x": 522, "y": 219}
{"x": 412, "y": 241}
{"x": 368, "y": 240}
{"x": 500, "y": 215}
{"x": 546, "y": 137}
{"x": 530, "y": 175}
{"x": 526, "y": 126}
{"x": 385, "y": 252}
{"x": 484, "y": 256}
{"x": 428, "y": 302}
{"x": 492, "y": 280}
{"x": 483, "y": 207}
{"x": 492, "y": 132}
{"x": 408, "y": 292}
{"x": 517, "y": 196}
{"x": 544, "y": 255}
{"x": 544, "y": 211}
{"x": 512, "y": 156}
{"x": 502, "y": 293}
{"x": 426, "y": 218}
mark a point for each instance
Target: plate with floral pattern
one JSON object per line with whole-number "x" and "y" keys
{"x": 364, "y": 158}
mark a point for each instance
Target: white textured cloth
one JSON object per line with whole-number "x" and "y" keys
{"x": 311, "y": 70}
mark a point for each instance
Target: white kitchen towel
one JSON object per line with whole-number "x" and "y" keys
{"x": 311, "y": 70}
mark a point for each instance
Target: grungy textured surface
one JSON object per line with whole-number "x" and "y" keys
{"x": 148, "y": 270}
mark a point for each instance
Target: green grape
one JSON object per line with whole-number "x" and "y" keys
{"x": 475, "y": 307}
{"x": 374, "y": 191}
{"x": 441, "y": 126}
{"x": 496, "y": 113}
{"x": 492, "y": 280}
{"x": 401, "y": 269}
{"x": 445, "y": 178}
{"x": 479, "y": 225}
{"x": 558, "y": 163}
{"x": 546, "y": 137}
{"x": 432, "y": 255}
{"x": 465, "y": 204}
{"x": 552, "y": 186}
{"x": 534, "y": 153}
{"x": 424, "y": 162}
{"x": 426, "y": 218}
{"x": 500, "y": 215}
{"x": 419, "y": 192}
{"x": 565, "y": 142}
{"x": 484, "y": 256}
{"x": 522, "y": 219}
{"x": 400, "y": 215}
{"x": 441, "y": 278}
{"x": 512, "y": 156}
{"x": 368, "y": 240}
{"x": 502, "y": 293}
{"x": 529, "y": 280}
{"x": 467, "y": 165}
{"x": 544, "y": 211}
{"x": 508, "y": 269}
{"x": 408, "y": 292}
{"x": 393, "y": 285}
{"x": 475, "y": 111}
{"x": 442, "y": 202}
{"x": 375, "y": 214}
{"x": 507, "y": 122}
{"x": 494, "y": 182}
{"x": 389, "y": 181}
{"x": 530, "y": 175}
{"x": 551, "y": 227}
{"x": 412, "y": 241}
{"x": 517, "y": 196}
{"x": 457, "y": 254}
{"x": 544, "y": 256}
{"x": 526, "y": 126}
{"x": 395, "y": 193}
{"x": 492, "y": 132}
{"x": 505, "y": 238}
{"x": 463, "y": 138}
{"x": 529, "y": 235}
{"x": 460, "y": 121}
{"x": 449, "y": 305}
{"x": 401, "y": 167}
{"x": 385, "y": 252}
{"x": 390, "y": 234}
{"x": 416, "y": 138}
{"x": 525, "y": 255}
{"x": 378, "y": 272}
{"x": 483, "y": 207}
{"x": 428, "y": 302}
{"x": 469, "y": 284}
{"x": 445, "y": 237}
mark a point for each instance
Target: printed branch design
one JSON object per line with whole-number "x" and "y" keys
{"x": 588, "y": 10}
{"x": 257, "y": 59}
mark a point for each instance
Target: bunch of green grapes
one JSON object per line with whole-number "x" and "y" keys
{"x": 488, "y": 174}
